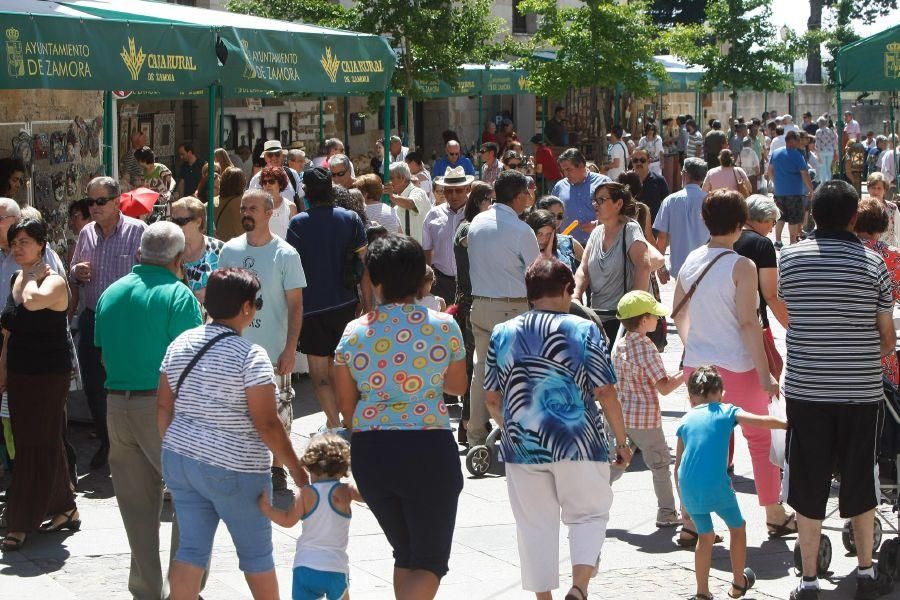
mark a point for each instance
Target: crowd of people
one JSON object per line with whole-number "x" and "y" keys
{"x": 540, "y": 313}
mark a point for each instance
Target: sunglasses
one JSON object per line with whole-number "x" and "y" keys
{"x": 453, "y": 154}
{"x": 99, "y": 201}
{"x": 560, "y": 217}
{"x": 258, "y": 303}
{"x": 514, "y": 165}
{"x": 638, "y": 161}
{"x": 181, "y": 221}
{"x": 267, "y": 181}
{"x": 339, "y": 173}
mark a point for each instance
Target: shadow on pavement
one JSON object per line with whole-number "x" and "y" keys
{"x": 658, "y": 542}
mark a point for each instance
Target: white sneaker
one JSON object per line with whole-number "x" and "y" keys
{"x": 667, "y": 518}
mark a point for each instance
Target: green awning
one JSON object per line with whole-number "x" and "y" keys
{"x": 267, "y": 57}
{"x": 51, "y": 46}
{"x": 495, "y": 79}
{"x": 871, "y": 64}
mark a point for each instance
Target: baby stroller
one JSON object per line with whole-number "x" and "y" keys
{"x": 889, "y": 467}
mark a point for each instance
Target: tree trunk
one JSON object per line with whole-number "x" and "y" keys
{"x": 814, "y": 52}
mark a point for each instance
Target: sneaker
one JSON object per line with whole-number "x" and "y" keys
{"x": 666, "y": 517}
{"x": 279, "y": 479}
{"x": 868, "y": 588}
{"x": 805, "y": 594}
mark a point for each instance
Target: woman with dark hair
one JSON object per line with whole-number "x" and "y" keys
{"x": 481, "y": 195}
{"x": 157, "y": 176}
{"x": 568, "y": 249}
{"x": 391, "y": 369}
{"x": 617, "y": 258}
{"x": 352, "y": 200}
{"x": 35, "y": 372}
{"x": 727, "y": 176}
{"x": 543, "y": 223}
{"x": 653, "y": 145}
{"x": 203, "y": 187}
{"x": 514, "y": 161}
{"x": 553, "y": 444}
{"x": 719, "y": 326}
{"x": 12, "y": 177}
{"x": 228, "y": 204}
{"x": 217, "y": 417}
{"x": 274, "y": 180}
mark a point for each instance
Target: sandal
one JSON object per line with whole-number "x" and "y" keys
{"x": 691, "y": 542}
{"x": 69, "y": 523}
{"x": 11, "y": 543}
{"x": 699, "y": 596}
{"x": 571, "y": 596}
{"x": 749, "y": 578}
{"x": 777, "y": 531}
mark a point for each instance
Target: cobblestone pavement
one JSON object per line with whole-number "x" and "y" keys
{"x": 638, "y": 561}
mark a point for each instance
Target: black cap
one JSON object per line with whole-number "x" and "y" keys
{"x": 317, "y": 183}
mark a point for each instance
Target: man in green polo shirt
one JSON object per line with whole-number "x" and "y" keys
{"x": 137, "y": 317}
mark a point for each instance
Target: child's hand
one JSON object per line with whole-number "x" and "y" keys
{"x": 265, "y": 504}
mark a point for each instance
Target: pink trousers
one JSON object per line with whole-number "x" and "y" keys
{"x": 743, "y": 390}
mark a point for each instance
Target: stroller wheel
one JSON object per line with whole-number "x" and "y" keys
{"x": 478, "y": 460}
{"x": 850, "y": 543}
{"x": 823, "y": 559}
{"x": 889, "y": 557}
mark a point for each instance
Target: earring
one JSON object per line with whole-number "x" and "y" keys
{"x": 246, "y": 312}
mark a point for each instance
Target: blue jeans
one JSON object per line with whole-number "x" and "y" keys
{"x": 203, "y": 495}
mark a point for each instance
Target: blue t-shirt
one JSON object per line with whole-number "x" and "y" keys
{"x": 323, "y": 237}
{"x": 787, "y": 165}
{"x": 547, "y": 365}
{"x": 441, "y": 164}
{"x": 577, "y": 200}
{"x": 398, "y": 355}
{"x": 703, "y": 479}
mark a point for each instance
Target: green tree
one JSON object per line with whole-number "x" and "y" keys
{"x": 666, "y": 13}
{"x": 432, "y": 38}
{"x": 600, "y": 45}
{"x": 737, "y": 46}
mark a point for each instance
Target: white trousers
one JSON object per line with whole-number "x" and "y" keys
{"x": 579, "y": 491}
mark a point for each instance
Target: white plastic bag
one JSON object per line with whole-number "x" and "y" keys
{"x": 777, "y": 449}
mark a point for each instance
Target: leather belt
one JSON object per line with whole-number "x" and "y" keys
{"x": 132, "y": 392}
{"x": 488, "y": 299}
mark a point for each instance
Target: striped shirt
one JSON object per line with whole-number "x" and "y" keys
{"x": 834, "y": 288}
{"x": 212, "y": 421}
{"x": 110, "y": 258}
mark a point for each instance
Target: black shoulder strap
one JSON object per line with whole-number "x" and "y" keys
{"x": 190, "y": 366}
{"x": 289, "y": 172}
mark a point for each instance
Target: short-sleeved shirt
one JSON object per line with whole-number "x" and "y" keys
{"x": 324, "y": 237}
{"x": 654, "y": 190}
{"x": 852, "y": 129}
{"x": 611, "y": 272}
{"x": 385, "y": 215}
{"x": 787, "y": 166}
{"x": 703, "y": 480}
{"x": 638, "y": 367}
{"x": 834, "y": 288}
{"x": 438, "y": 232}
{"x": 826, "y": 140}
{"x": 501, "y": 248}
{"x": 415, "y": 218}
{"x": 761, "y": 251}
{"x": 191, "y": 175}
{"x": 212, "y": 422}
{"x": 617, "y": 152}
{"x": 543, "y": 156}
{"x": 549, "y": 409}
{"x": 724, "y": 178}
{"x": 197, "y": 272}
{"x": 138, "y": 316}
{"x": 442, "y": 164}
{"x": 680, "y": 217}
{"x": 577, "y": 199}
{"x": 398, "y": 355}
{"x": 279, "y": 270}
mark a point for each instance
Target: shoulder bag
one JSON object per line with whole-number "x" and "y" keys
{"x": 693, "y": 289}
{"x": 190, "y": 366}
{"x": 742, "y": 184}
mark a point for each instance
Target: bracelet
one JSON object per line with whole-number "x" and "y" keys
{"x": 623, "y": 446}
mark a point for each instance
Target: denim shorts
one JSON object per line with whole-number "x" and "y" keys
{"x": 203, "y": 495}
{"x": 312, "y": 584}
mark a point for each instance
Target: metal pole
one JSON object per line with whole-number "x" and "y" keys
{"x": 222, "y": 116}
{"x": 211, "y": 160}
{"x": 405, "y": 119}
{"x": 480, "y": 125}
{"x": 321, "y": 119}
{"x": 891, "y": 139}
{"x": 108, "y": 133}
{"x": 385, "y": 166}
{"x": 839, "y": 115}
{"x": 544, "y": 141}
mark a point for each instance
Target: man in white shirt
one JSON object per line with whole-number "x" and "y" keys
{"x": 851, "y": 126}
{"x": 618, "y": 153}
{"x": 412, "y": 203}
{"x": 889, "y": 167}
{"x": 273, "y": 154}
{"x": 787, "y": 121}
{"x": 398, "y": 150}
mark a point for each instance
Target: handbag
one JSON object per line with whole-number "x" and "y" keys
{"x": 773, "y": 357}
{"x": 742, "y": 184}
{"x": 190, "y": 366}
{"x": 678, "y": 308}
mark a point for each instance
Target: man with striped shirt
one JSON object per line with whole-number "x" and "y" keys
{"x": 838, "y": 296}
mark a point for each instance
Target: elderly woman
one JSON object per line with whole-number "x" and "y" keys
{"x": 390, "y": 368}
{"x": 871, "y": 223}
{"x": 554, "y": 445}
{"x": 719, "y": 325}
{"x": 412, "y": 203}
{"x": 876, "y": 187}
{"x": 218, "y": 421}
{"x": 201, "y": 252}
{"x": 384, "y": 214}
{"x": 616, "y": 257}
{"x": 228, "y": 204}
{"x": 274, "y": 180}
{"x": 35, "y": 371}
{"x": 157, "y": 176}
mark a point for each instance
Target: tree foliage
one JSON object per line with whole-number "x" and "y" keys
{"x": 601, "y": 44}
{"x": 737, "y": 47}
{"x": 666, "y": 13}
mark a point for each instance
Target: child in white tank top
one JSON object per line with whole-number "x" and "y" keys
{"x": 425, "y": 298}
{"x": 321, "y": 565}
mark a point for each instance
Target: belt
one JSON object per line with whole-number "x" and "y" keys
{"x": 132, "y": 392}
{"x": 488, "y": 299}
{"x": 440, "y": 274}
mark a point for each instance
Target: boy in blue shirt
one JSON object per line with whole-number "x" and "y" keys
{"x": 701, "y": 464}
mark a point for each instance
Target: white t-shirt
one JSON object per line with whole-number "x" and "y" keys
{"x": 416, "y": 218}
{"x": 791, "y": 127}
{"x": 212, "y": 422}
{"x": 617, "y": 151}
{"x": 777, "y": 143}
{"x": 655, "y": 149}
{"x": 888, "y": 166}
{"x": 278, "y": 267}
{"x": 281, "y": 218}
{"x": 749, "y": 161}
{"x": 852, "y": 129}
{"x": 288, "y": 192}
{"x": 385, "y": 215}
